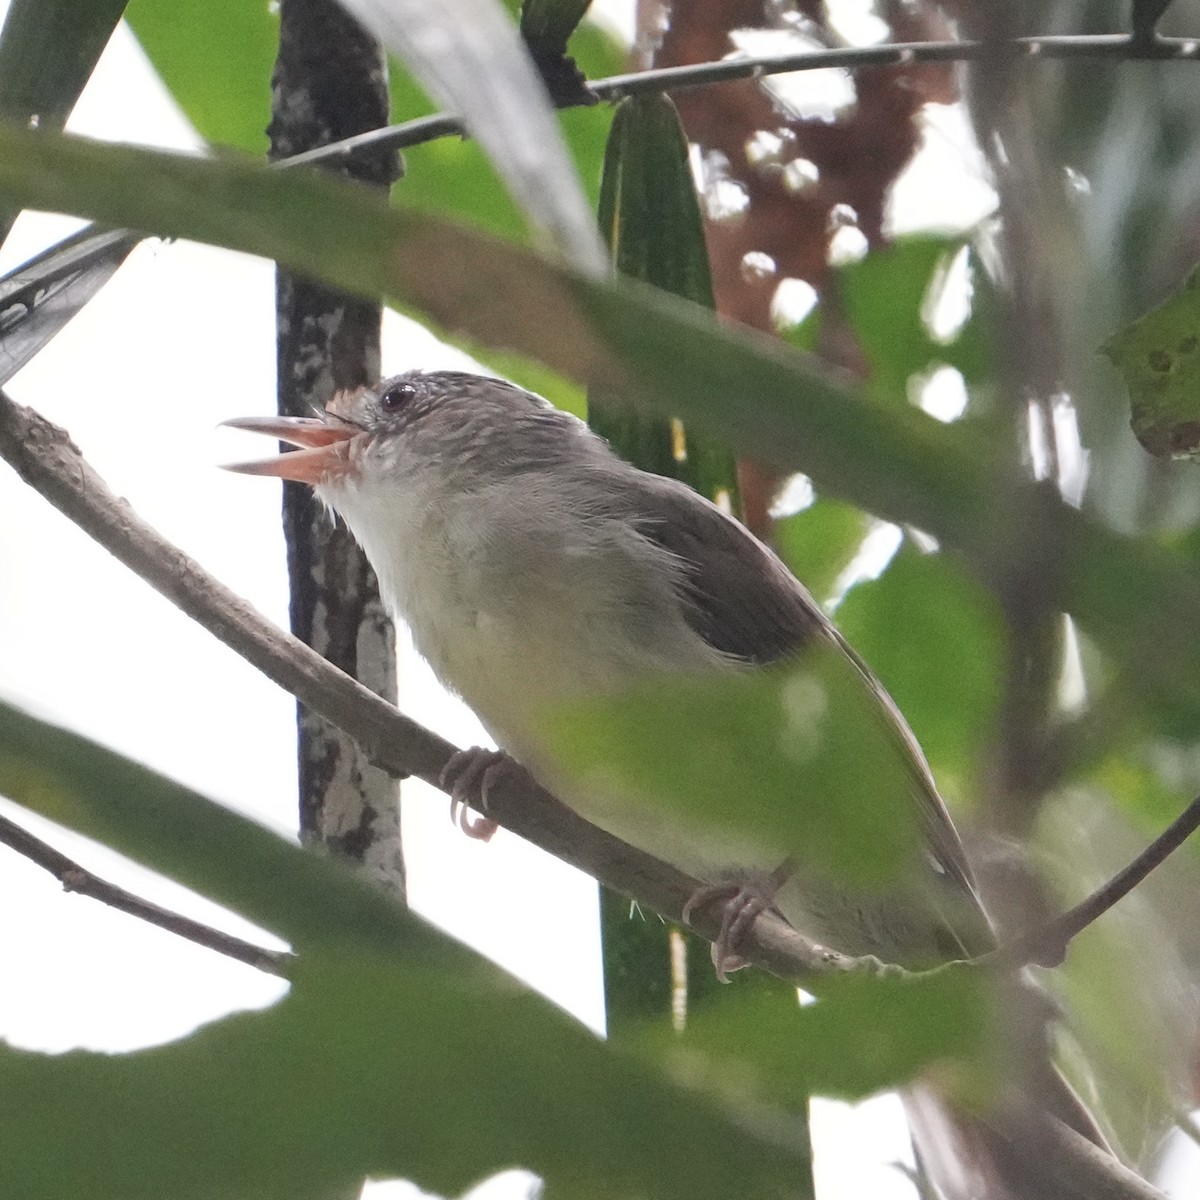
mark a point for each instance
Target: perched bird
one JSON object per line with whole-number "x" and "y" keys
{"x": 533, "y": 566}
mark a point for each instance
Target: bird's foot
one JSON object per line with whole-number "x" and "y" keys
{"x": 739, "y": 906}
{"x": 468, "y": 777}
{"x": 741, "y": 903}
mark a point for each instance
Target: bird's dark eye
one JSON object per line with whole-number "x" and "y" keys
{"x": 396, "y": 397}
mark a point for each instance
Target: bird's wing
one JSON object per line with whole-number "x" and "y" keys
{"x": 744, "y": 602}
{"x": 739, "y": 597}
{"x": 940, "y": 835}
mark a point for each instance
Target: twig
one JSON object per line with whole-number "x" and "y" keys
{"x": 1084, "y": 1169}
{"x": 1047, "y": 946}
{"x": 1114, "y": 46}
{"x": 44, "y": 456}
{"x": 75, "y": 878}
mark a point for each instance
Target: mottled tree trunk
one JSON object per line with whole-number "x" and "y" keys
{"x": 330, "y": 81}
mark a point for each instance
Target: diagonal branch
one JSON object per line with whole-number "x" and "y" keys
{"x": 1047, "y": 946}
{"x": 75, "y": 878}
{"x": 44, "y": 456}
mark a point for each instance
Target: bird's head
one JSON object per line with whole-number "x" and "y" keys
{"x": 469, "y": 429}
{"x": 356, "y": 429}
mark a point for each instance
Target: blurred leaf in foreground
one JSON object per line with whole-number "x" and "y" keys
{"x": 936, "y": 639}
{"x": 1133, "y": 598}
{"x": 395, "y": 1053}
{"x": 1159, "y": 356}
{"x": 48, "y": 50}
{"x": 863, "y": 1035}
{"x": 794, "y": 759}
{"x": 470, "y": 59}
{"x": 453, "y": 176}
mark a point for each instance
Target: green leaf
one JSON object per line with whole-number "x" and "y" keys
{"x": 677, "y": 356}
{"x": 649, "y": 213}
{"x": 396, "y": 1052}
{"x": 1133, "y": 598}
{"x": 820, "y": 542}
{"x": 469, "y": 57}
{"x": 799, "y": 759}
{"x": 371, "y": 1067}
{"x": 452, "y": 176}
{"x": 48, "y": 50}
{"x": 225, "y": 91}
{"x": 303, "y": 898}
{"x": 1159, "y": 356}
{"x": 935, "y": 637}
{"x": 651, "y": 220}
{"x": 863, "y": 1035}
{"x": 226, "y": 95}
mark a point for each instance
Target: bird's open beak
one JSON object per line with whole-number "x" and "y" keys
{"x": 325, "y": 447}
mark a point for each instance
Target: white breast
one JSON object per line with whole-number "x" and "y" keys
{"x": 519, "y": 607}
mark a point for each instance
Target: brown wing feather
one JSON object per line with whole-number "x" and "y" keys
{"x": 744, "y": 602}
{"x": 739, "y": 596}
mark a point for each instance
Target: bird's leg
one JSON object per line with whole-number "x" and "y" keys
{"x": 468, "y": 776}
{"x": 741, "y": 903}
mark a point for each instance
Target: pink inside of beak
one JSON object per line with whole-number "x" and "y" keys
{"x": 325, "y": 453}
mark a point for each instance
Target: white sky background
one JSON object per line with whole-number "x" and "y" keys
{"x": 182, "y": 338}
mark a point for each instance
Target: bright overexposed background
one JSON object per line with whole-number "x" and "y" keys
{"x": 182, "y": 338}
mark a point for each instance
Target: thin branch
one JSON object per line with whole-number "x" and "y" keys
{"x": 1047, "y": 946}
{"x": 1084, "y": 1169}
{"x": 394, "y": 137}
{"x": 44, "y": 456}
{"x": 1117, "y": 47}
{"x": 75, "y": 878}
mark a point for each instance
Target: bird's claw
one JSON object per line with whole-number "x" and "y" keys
{"x": 468, "y": 777}
{"x": 740, "y": 906}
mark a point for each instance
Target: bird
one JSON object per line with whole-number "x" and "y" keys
{"x": 535, "y": 567}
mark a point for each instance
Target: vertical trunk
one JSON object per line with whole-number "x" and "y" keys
{"x": 330, "y": 81}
